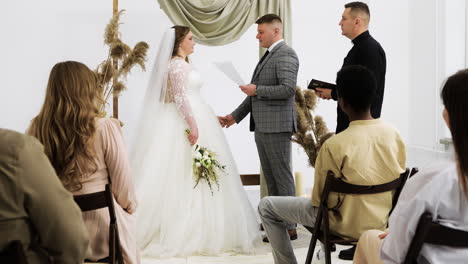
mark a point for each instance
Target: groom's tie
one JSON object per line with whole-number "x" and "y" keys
{"x": 264, "y": 56}
{"x": 260, "y": 61}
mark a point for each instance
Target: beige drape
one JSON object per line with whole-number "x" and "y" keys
{"x": 220, "y": 22}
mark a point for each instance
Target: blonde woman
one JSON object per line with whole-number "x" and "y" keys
{"x": 87, "y": 152}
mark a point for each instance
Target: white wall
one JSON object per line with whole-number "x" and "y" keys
{"x": 437, "y": 50}
{"x": 37, "y": 34}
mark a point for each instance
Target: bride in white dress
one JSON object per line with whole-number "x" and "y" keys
{"x": 174, "y": 218}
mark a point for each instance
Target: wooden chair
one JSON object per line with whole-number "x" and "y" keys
{"x": 414, "y": 170}
{"x": 409, "y": 173}
{"x": 13, "y": 253}
{"x": 321, "y": 229}
{"x": 98, "y": 200}
{"x": 434, "y": 233}
{"x": 250, "y": 179}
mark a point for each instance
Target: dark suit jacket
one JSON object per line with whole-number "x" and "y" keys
{"x": 366, "y": 52}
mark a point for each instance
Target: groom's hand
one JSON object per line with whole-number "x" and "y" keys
{"x": 221, "y": 120}
{"x": 229, "y": 121}
{"x": 226, "y": 121}
{"x": 249, "y": 89}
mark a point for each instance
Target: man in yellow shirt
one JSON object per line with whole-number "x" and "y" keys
{"x": 368, "y": 152}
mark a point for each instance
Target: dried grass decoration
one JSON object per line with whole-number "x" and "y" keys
{"x": 205, "y": 166}
{"x": 312, "y": 131}
{"x": 120, "y": 60}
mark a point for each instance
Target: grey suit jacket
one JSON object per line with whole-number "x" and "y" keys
{"x": 273, "y": 109}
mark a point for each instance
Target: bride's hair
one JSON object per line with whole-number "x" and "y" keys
{"x": 180, "y": 33}
{"x": 66, "y": 123}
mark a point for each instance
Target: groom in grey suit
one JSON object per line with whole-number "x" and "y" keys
{"x": 270, "y": 102}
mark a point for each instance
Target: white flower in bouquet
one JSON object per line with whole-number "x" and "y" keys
{"x": 205, "y": 166}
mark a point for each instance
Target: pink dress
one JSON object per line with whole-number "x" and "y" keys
{"x": 112, "y": 162}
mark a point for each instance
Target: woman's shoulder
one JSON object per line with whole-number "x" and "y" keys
{"x": 178, "y": 62}
{"x": 439, "y": 177}
{"x": 107, "y": 124}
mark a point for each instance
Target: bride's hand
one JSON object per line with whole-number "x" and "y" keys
{"x": 193, "y": 136}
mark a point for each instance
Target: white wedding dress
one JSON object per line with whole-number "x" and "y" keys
{"x": 174, "y": 218}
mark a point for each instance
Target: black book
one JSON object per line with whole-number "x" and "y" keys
{"x": 320, "y": 84}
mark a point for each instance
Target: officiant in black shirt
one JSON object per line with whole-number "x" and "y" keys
{"x": 366, "y": 52}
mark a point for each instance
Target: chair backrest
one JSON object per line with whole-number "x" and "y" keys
{"x": 414, "y": 170}
{"x": 431, "y": 232}
{"x": 98, "y": 200}
{"x": 13, "y": 253}
{"x": 334, "y": 184}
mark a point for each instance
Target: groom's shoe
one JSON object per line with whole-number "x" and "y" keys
{"x": 261, "y": 227}
{"x": 292, "y": 236}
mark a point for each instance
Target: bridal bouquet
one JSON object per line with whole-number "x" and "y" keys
{"x": 205, "y": 166}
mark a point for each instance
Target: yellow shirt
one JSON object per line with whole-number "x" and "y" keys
{"x": 368, "y": 152}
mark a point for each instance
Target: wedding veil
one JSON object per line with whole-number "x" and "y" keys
{"x": 154, "y": 98}
{"x": 157, "y": 86}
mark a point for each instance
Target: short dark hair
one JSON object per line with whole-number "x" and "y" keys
{"x": 358, "y": 6}
{"x": 356, "y": 85}
{"x": 268, "y": 19}
{"x": 454, "y": 94}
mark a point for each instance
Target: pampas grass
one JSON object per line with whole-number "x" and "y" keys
{"x": 120, "y": 60}
{"x": 312, "y": 131}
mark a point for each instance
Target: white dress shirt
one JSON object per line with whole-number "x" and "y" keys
{"x": 274, "y": 45}
{"x": 435, "y": 190}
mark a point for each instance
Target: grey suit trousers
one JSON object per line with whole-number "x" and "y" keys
{"x": 274, "y": 150}
{"x": 275, "y": 212}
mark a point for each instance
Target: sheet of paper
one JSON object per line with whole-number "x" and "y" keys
{"x": 230, "y": 71}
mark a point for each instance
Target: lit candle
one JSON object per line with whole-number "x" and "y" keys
{"x": 299, "y": 184}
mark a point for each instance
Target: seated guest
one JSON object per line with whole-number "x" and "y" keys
{"x": 34, "y": 207}
{"x": 88, "y": 152}
{"x": 368, "y": 152}
{"x": 441, "y": 190}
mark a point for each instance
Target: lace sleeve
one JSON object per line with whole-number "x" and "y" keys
{"x": 178, "y": 74}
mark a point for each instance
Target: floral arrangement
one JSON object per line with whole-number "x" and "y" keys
{"x": 312, "y": 131}
{"x": 120, "y": 60}
{"x": 205, "y": 166}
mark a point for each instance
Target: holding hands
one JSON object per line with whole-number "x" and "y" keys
{"x": 226, "y": 121}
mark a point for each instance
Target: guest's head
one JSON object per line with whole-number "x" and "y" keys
{"x": 66, "y": 122}
{"x": 269, "y": 30}
{"x": 454, "y": 96}
{"x": 355, "y": 19}
{"x": 184, "y": 43}
{"x": 356, "y": 88}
